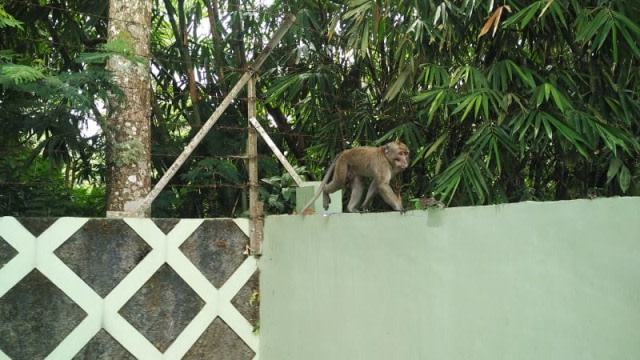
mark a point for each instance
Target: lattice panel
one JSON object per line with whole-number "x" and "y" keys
{"x": 104, "y": 312}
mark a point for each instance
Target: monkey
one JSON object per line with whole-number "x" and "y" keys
{"x": 380, "y": 163}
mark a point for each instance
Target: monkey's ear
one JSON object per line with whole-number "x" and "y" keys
{"x": 386, "y": 148}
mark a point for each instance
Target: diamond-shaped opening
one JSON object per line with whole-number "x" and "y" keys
{"x": 102, "y": 252}
{"x": 162, "y": 308}
{"x": 219, "y": 342}
{"x": 35, "y": 316}
{"x": 215, "y": 248}
{"x": 166, "y": 225}
{"x": 103, "y": 347}
{"x": 247, "y": 300}
{"x": 36, "y": 226}
{"x": 7, "y": 252}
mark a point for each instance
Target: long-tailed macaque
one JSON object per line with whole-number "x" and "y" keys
{"x": 380, "y": 163}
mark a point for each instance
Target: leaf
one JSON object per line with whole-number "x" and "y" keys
{"x": 467, "y": 103}
{"x": 624, "y": 179}
{"x": 436, "y": 17}
{"x": 592, "y": 27}
{"x": 560, "y": 100}
{"x": 547, "y": 126}
{"x": 523, "y": 16}
{"x": 533, "y": 8}
{"x": 281, "y": 86}
{"x": 602, "y": 34}
{"x": 614, "y": 167}
{"x": 540, "y": 95}
{"x": 527, "y": 77}
{"x": 335, "y": 19}
{"x": 436, "y": 144}
{"x": 625, "y": 25}
{"x": 493, "y": 20}
{"x": 397, "y": 85}
{"x": 6, "y": 20}
{"x": 633, "y": 26}
{"x": 19, "y": 74}
{"x": 614, "y": 43}
{"x": 549, "y": 2}
{"x": 93, "y": 58}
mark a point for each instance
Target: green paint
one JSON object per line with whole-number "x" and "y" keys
{"x": 557, "y": 280}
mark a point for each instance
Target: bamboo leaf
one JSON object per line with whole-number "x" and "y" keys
{"x": 527, "y": 78}
{"x": 560, "y": 100}
{"x": 592, "y": 27}
{"x": 547, "y": 91}
{"x": 364, "y": 45}
{"x": 436, "y": 17}
{"x": 558, "y": 14}
{"x": 497, "y": 20}
{"x": 631, "y": 42}
{"x": 436, "y": 144}
{"x": 631, "y": 25}
{"x": 485, "y": 106}
{"x": 614, "y": 45}
{"x": 478, "y": 101}
{"x": 547, "y": 126}
{"x": 540, "y": 95}
{"x": 493, "y": 21}
{"x": 614, "y": 168}
{"x": 602, "y": 34}
{"x": 624, "y": 179}
{"x": 523, "y": 16}
{"x": 532, "y": 9}
{"x": 397, "y": 85}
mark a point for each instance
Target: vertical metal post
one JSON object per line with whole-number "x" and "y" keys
{"x": 256, "y": 218}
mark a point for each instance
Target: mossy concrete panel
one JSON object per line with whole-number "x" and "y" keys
{"x": 557, "y": 280}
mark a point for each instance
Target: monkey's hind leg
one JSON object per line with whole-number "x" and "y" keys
{"x": 337, "y": 182}
{"x": 357, "y": 188}
{"x": 371, "y": 192}
{"x": 326, "y": 200}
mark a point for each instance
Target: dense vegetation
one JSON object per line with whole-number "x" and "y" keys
{"x": 499, "y": 102}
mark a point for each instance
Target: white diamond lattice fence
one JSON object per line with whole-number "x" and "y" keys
{"x": 37, "y": 253}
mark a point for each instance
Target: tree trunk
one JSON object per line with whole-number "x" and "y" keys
{"x": 128, "y": 126}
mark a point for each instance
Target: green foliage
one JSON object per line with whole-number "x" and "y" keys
{"x": 544, "y": 106}
{"x": 116, "y": 47}
{"x": 47, "y": 99}
{"x": 498, "y": 102}
{"x": 212, "y": 170}
{"x": 18, "y": 74}
{"x": 6, "y": 20}
{"x": 279, "y": 196}
{"x": 33, "y": 190}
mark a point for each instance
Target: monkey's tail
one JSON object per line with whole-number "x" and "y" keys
{"x": 324, "y": 182}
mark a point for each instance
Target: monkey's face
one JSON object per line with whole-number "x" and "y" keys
{"x": 402, "y": 160}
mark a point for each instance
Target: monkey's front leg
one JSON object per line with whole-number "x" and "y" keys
{"x": 390, "y": 197}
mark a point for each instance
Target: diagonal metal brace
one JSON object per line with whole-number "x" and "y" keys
{"x": 255, "y": 66}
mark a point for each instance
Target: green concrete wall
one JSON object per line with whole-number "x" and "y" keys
{"x": 556, "y": 280}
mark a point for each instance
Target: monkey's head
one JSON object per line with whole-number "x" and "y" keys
{"x": 398, "y": 155}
